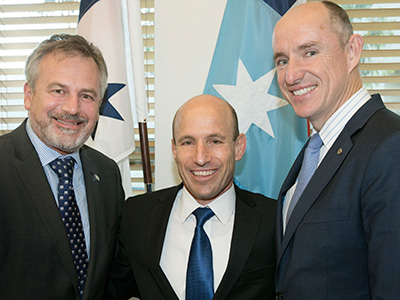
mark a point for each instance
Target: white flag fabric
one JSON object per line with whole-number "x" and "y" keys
{"x": 115, "y": 27}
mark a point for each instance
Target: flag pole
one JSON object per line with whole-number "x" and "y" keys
{"x": 144, "y": 149}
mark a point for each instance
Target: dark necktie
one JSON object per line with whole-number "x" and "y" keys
{"x": 308, "y": 167}
{"x": 71, "y": 217}
{"x": 200, "y": 275}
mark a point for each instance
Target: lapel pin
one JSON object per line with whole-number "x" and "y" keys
{"x": 340, "y": 151}
{"x": 96, "y": 177}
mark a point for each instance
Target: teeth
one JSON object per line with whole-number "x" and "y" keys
{"x": 203, "y": 173}
{"x": 67, "y": 123}
{"x": 304, "y": 91}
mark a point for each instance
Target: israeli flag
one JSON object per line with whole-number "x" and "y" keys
{"x": 115, "y": 27}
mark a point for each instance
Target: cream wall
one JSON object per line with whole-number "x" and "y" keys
{"x": 186, "y": 32}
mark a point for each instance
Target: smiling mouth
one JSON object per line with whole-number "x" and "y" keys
{"x": 68, "y": 123}
{"x": 301, "y": 92}
{"x": 203, "y": 173}
{"x": 68, "y": 120}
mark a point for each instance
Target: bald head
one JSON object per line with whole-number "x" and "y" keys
{"x": 204, "y": 103}
{"x": 206, "y": 146}
{"x": 333, "y": 15}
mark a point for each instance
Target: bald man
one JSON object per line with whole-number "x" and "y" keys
{"x": 157, "y": 228}
{"x": 340, "y": 237}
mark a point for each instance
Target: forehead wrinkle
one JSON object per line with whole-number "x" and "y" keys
{"x": 308, "y": 45}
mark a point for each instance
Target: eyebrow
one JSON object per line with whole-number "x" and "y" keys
{"x": 57, "y": 84}
{"x": 214, "y": 135}
{"x": 301, "y": 48}
{"x": 278, "y": 54}
{"x": 307, "y": 45}
{"x": 185, "y": 137}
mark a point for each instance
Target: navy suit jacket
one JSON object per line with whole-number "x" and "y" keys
{"x": 342, "y": 240}
{"x": 35, "y": 256}
{"x": 251, "y": 266}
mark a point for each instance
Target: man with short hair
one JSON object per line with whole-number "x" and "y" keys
{"x": 338, "y": 227}
{"x": 60, "y": 200}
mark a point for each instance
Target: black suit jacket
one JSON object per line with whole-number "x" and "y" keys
{"x": 35, "y": 255}
{"x": 250, "y": 270}
{"x": 342, "y": 240}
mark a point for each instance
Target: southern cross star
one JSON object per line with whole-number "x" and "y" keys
{"x": 251, "y": 99}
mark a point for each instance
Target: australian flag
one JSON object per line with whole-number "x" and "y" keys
{"x": 242, "y": 72}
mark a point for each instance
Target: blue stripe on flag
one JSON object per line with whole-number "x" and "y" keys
{"x": 242, "y": 72}
{"x": 281, "y": 7}
{"x": 84, "y": 6}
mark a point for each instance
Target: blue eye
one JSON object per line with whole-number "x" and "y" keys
{"x": 282, "y": 62}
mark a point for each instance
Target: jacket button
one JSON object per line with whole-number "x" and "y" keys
{"x": 279, "y": 296}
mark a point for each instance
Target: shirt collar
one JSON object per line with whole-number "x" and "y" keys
{"x": 339, "y": 119}
{"x": 223, "y": 206}
{"x": 45, "y": 153}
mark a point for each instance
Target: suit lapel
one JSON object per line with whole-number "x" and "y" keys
{"x": 247, "y": 221}
{"x": 317, "y": 184}
{"x": 155, "y": 232}
{"x": 37, "y": 186}
{"x": 288, "y": 183}
{"x": 324, "y": 173}
{"x": 93, "y": 200}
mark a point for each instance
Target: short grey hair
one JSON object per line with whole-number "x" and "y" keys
{"x": 340, "y": 22}
{"x": 68, "y": 45}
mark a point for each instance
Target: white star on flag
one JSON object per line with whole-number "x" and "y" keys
{"x": 251, "y": 99}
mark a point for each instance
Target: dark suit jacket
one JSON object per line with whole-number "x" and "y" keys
{"x": 250, "y": 270}
{"x": 343, "y": 238}
{"x": 35, "y": 256}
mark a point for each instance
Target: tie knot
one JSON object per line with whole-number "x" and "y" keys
{"x": 202, "y": 214}
{"x": 315, "y": 142}
{"x": 63, "y": 167}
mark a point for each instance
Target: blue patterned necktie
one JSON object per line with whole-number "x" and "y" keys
{"x": 200, "y": 275}
{"x": 71, "y": 217}
{"x": 308, "y": 167}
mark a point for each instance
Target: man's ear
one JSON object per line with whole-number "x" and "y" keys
{"x": 354, "y": 50}
{"x": 173, "y": 147}
{"x": 240, "y": 146}
{"x": 28, "y": 93}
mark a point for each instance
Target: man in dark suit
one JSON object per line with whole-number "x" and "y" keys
{"x": 157, "y": 228}
{"x": 339, "y": 237}
{"x": 66, "y": 79}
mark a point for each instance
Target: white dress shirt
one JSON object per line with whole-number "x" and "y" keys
{"x": 329, "y": 133}
{"x": 180, "y": 231}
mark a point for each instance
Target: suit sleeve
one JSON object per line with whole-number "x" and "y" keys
{"x": 380, "y": 203}
{"x": 121, "y": 284}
